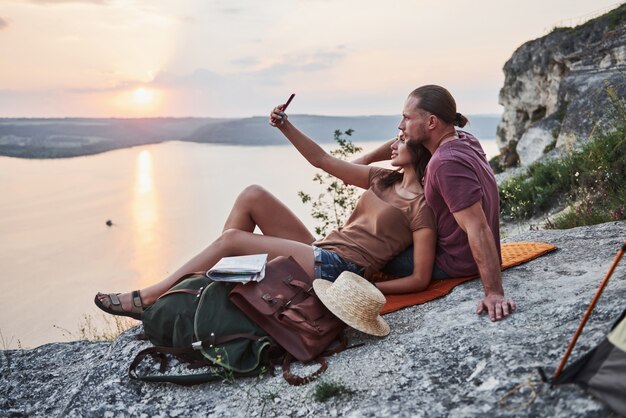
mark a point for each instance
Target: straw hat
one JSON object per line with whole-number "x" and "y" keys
{"x": 355, "y": 301}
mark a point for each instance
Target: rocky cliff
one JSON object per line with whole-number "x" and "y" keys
{"x": 440, "y": 360}
{"x": 555, "y": 89}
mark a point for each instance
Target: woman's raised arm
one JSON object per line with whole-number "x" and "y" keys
{"x": 346, "y": 171}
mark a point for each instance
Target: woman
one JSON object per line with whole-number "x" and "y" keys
{"x": 390, "y": 215}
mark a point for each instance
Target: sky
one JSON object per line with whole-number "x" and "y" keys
{"x": 240, "y": 58}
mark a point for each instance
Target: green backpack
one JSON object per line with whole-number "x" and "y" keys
{"x": 196, "y": 322}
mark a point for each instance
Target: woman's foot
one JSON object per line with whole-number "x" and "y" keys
{"x": 121, "y": 304}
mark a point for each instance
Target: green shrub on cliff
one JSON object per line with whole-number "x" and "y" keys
{"x": 599, "y": 194}
{"x": 591, "y": 181}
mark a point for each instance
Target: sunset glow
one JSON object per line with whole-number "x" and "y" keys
{"x": 94, "y": 58}
{"x": 138, "y": 102}
{"x": 143, "y": 96}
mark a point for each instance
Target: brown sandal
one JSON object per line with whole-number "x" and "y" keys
{"x": 112, "y": 305}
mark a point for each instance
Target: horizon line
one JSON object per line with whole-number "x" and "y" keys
{"x": 214, "y": 117}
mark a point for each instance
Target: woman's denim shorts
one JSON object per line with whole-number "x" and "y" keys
{"x": 329, "y": 265}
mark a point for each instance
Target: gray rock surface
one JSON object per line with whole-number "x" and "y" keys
{"x": 554, "y": 93}
{"x": 440, "y": 360}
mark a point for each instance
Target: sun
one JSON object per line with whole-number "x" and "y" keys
{"x": 143, "y": 96}
{"x": 139, "y": 101}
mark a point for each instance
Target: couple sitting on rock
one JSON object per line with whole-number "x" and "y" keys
{"x": 441, "y": 203}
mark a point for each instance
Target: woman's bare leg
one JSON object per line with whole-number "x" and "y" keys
{"x": 232, "y": 242}
{"x": 255, "y": 206}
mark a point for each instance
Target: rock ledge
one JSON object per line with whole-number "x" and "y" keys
{"x": 441, "y": 360}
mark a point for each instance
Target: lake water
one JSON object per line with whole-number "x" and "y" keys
{"x": 166, "y": 201}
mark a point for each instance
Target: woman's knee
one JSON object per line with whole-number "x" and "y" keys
{"x": 230, "y": 239}
{"x": 254, "y": 193}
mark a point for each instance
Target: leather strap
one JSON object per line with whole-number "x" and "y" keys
{"x": 227, "y": 338}
{"x": 159, "y": 352}
{"x": 299, "y": 283}
{"x": 191, "y": 291}
{"x": 343, "y": 345}
{"x": 275, "y": 300}
{"x": 295, "y": 380}
{"x": 195, "y": 292}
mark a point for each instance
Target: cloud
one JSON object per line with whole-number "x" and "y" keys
{"x": 200, "y": 78}
{"x": 246, "y": 61}
{"x": 298, "y": 63}
{"x": 230, "y": 10}
{"x": 3, "y": 24}
{"x": 203, "y": 92}
{"x": 226, "y": 7}
{"x": 254, "y": 74}
{"x": 46, "y": 2}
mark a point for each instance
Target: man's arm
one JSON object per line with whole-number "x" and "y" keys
{"x": 472, "y": 220}
{"x": 382, "y": 153}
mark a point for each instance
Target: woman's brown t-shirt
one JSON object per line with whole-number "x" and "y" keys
{"x": 381, "y": 225}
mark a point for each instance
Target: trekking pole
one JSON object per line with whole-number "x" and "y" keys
{"x": 619, "y": 255}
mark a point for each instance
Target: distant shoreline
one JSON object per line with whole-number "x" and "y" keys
{"x": 41, "y": 138}
{"x": 33, "y": 153}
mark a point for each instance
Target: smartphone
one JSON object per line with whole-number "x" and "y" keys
{"x": 284, "y": 107}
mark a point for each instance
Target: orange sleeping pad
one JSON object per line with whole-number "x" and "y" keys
{"x": 513, "y": 254}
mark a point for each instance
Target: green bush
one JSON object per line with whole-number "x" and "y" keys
{"x": 591, "y": 180}
{"x": 528, "y": 195}
{"x": 332, "y": 207}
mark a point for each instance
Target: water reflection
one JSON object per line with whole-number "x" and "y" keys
{"x": 145, "y": 175}
{"x": 145, "y": 216}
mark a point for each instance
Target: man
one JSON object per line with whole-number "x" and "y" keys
{"x": 460, "y": 187}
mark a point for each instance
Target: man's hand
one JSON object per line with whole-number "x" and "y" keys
{"x": 497, "y": 306}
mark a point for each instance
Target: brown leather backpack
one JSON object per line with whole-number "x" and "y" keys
{"x": 285, "y": 306}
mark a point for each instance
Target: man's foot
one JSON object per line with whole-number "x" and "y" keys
{"x": 121, "y": 304}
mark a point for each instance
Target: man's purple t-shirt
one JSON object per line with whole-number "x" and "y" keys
{"x": 457, "y": 176}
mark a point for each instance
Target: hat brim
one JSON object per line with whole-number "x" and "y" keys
{"x": 379, "y": 327}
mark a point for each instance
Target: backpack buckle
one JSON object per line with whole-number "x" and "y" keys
{"x": 197, "y": 345}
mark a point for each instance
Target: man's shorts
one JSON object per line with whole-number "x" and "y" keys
{"x": 329, "y": 265}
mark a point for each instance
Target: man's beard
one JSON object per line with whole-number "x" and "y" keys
{"x": 421, "y": 136}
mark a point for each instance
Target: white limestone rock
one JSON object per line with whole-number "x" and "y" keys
{"x": 554, "y": 91}
{"x": 531, "y": 146}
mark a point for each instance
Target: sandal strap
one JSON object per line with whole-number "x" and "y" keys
{"x": 114, "y": 299}
{"x": 137, "y": 303}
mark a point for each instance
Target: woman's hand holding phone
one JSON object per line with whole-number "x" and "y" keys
{"x": 278, "y": 115}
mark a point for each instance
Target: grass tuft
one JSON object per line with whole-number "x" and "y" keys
{"x": 88, "y": 329}
{"x": 330, "y": 389}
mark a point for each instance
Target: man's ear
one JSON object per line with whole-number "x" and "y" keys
{"x": 432, "y": 122}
